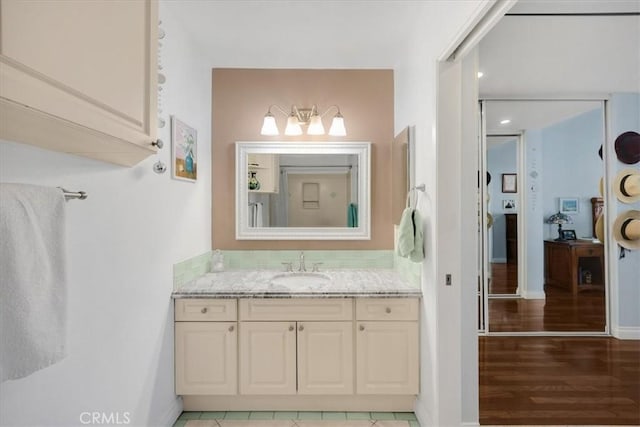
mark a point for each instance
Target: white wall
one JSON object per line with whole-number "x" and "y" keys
{"x": 121, "y": 244}
{"x": 415, "y": 92}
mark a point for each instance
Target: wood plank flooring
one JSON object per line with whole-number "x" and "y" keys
{"x": 558, "y": 380}
{"x": 504, "y": 278}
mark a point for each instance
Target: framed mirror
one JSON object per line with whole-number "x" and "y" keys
{"x": 303, "y": 191}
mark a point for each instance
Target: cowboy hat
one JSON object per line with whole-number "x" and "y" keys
{"x": 627, "y": 186}
{"x": 626, "y": 229}
{"x": 628, "y": 147}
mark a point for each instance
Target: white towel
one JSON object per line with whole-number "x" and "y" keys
{"x": 259, "y": 215}
{"x": 33, "y": 313}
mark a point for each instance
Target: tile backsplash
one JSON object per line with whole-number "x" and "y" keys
{"x": 192, "y": 268}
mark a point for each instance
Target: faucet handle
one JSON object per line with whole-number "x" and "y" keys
{"x": 288, "y": 266}
{"x": 316, "y": 266}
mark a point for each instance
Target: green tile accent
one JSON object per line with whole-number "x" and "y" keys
{"x": 414, "y": 424}
{"x": 212, "y": 415}
{"x": 358, "y": 416}
{"x": 309, "y": 415}
{"x": 190, "y": 416}
{"x": 408, "y": 416}
{"x": 382, "y": 416}
{"x": 237, "y": 415}
{"x": 285, "y": 415}
{"x": 335, "y": 416}
{"x": 180, "y": 423}
{"x": 331, "y": 259}
{"x": 191, "y": 268}
{"x": 261, "y": 415}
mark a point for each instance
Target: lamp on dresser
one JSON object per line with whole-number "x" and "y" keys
{"x": 559, "y": 218}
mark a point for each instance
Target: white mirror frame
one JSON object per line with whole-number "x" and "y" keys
{"x": 361, "y": 149}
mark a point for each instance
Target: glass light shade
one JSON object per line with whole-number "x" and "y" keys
{"x": 269, "y": 126}
{"x": 315, "y": 126}
{"x": 293, "y": 126}
{"x": 337, "y": 126}
{"x": 559, "y": 218}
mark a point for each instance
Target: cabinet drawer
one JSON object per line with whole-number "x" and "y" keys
{"x": 387, "y": 309}
{"x": 296, "y": 309}
{"x": 202, "y": 309}
{"x": 595, "y": 251}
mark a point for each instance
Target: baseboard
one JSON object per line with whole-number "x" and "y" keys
{"x": 534, "y": 295}
{"x": 626, "y": 332}
{"x": 172, "y": 413}
{"x": 499, "y": 260}
{"x": 422, "y": 414}
{"x": 470, "y": 424}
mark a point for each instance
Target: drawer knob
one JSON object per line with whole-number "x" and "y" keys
{"x": 204, "y": 310}
{"x": 301, "y": 328}
{"x": 361, "y": 327}
{"x": 231, "y": 328}
{"x": 388, "y": 310}
{"x": 291, "y": 328}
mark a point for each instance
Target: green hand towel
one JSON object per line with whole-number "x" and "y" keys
{"x": 352, "y": 215}
{"x": 406, "y": 233}
{"x": 417, "y": 255}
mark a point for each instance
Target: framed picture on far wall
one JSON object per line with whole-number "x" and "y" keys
{"x": 509, "y": 183}
{"x": 569, "y": 206}
{"x": 508, "y": 205}
{"x": 184, "y": 150}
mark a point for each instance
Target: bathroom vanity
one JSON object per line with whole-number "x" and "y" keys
{"x": 262, "y": 340}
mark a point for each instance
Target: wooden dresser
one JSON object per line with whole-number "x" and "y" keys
{"x": 569, "y": 263}
{"x": 512, "y": 237}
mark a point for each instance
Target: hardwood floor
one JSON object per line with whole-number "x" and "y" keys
{"x": 560, "y": 311}
{"x": 557, "y": 380}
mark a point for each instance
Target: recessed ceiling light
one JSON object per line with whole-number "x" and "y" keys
{"x": 505, "y": 121}
{"x": 480, "y": 74}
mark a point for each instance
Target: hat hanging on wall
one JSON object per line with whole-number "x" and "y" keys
{"x": 627, "y": 147}
{"x": 627, "y": 186}
{"x": 601, "y": 187}
{"x": 626, "y": 229}
{"x": 600, "y": 152}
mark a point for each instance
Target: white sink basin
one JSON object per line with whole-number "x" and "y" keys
{"x": 300, "y": 279}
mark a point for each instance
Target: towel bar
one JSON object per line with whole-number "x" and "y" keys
{"x": 68, "y": 195}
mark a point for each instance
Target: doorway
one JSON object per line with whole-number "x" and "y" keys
{"x": 543, "y": 173}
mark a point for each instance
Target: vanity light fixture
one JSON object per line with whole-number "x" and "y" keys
{"x": 299, "y": 117}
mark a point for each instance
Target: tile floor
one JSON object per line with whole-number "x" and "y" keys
{"x": 296, "y": 419}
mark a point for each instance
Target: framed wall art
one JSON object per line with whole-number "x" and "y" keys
{"x": 569, "y": 206}
{"x": 184, "y": 150}
{"x": 509, "y": 183}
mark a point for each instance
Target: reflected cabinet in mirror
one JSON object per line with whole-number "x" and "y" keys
{"x": 303, "y": 191}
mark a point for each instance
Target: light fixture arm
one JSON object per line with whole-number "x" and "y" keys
{"x": 329, "y": 109}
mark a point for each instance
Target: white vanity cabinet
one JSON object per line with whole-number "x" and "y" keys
{"x": 387, "y": 346}
{"x": 206, "y": 346}
{"x": 308, "y": 351}
{"x": 80, "y": 76}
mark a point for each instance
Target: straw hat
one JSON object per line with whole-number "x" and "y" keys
{"x": 627, "y": 186}
{"x": 626, "y": 229}
{"x": 627, "y": 147}
{"x": 601, "y": 187}
{"x": 600, "y": 228}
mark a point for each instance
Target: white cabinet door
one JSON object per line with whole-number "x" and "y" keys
{"x": 387, "y": 358}
{"x": 267, "y": 358}
{"x": 325, "y": 358}
{"x": 206, "y": 357}
{"x": 80, "y": 76}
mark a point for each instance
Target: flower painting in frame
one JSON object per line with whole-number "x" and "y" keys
{"x": 184, "y": 150}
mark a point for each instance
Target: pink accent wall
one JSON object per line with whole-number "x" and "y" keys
{"x": 240, "y": 100}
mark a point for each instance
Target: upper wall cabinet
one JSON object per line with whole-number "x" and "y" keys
{"x": 80, "y": 76}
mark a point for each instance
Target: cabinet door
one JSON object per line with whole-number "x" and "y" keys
{"x": 325, "y": 357}
{"x": 80, "y": 76}
{"x": 387, "y": 358}
{"x": 206, "y": 357}
{"x": 267, "y": 358}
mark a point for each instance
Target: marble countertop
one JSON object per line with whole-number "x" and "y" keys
{"x": 379, "y": 283}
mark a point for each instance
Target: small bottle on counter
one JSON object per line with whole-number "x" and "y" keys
{"x": 217, "y": 261}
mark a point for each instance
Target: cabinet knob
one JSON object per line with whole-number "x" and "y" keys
{"x": 231, "y": 328}
{"x": 388, "y": 310}
{"x": 291, "y": 328}
{"x": 159, "y": 143}
{"x": 361, "y": 327}
{"x": 301, "y": 328}
{"x": 204, "y": 310}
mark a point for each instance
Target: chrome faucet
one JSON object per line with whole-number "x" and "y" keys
{"x": 302, "y": 266}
